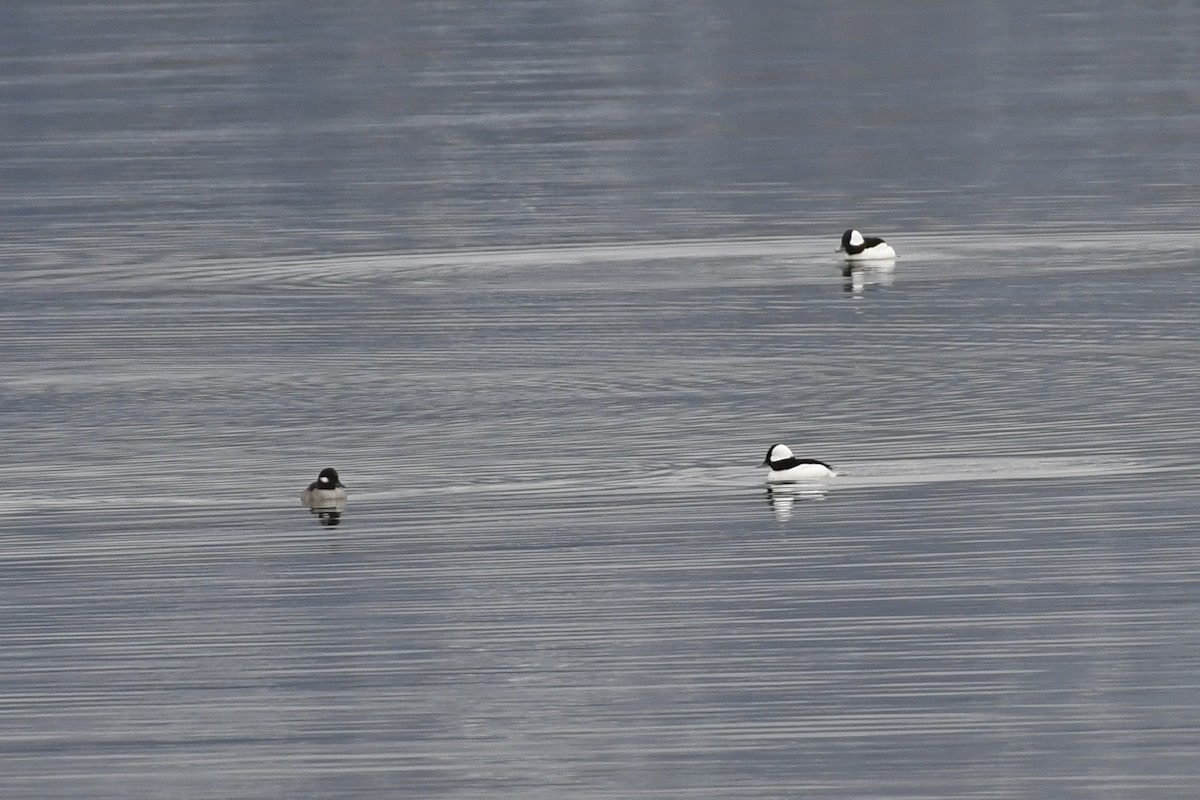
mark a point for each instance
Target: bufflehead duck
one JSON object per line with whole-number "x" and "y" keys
{"x": 326, "y": 490}
{"x": 857, "y": 248}
{"x": 785, "y": 467}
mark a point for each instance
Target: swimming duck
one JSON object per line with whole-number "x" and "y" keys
{"x": 326, "y": 490}
{"x": 858, "y": 248}
{"x": 785, "y": 467}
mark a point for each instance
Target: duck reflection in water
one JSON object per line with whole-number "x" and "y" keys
{"x": 781, "y": 497}
{"x": 858, "y": 276}
{"x": 329, "y": 517}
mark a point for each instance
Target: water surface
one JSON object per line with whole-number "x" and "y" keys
{"x": 544, "y": 283}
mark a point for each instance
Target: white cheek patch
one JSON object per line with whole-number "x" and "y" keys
{"x": 856, "y": 238}
{"x": 323, "y": 479}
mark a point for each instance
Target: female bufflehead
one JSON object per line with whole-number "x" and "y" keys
{"x": 857, "y": 248}
{"x": 785, "y": 467}
{"x": 326, "y": 490}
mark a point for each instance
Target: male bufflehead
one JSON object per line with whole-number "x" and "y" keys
{"x": 326, "y": 490}
{"x": 785, "y": 467}
{"x": 857, "y": 248}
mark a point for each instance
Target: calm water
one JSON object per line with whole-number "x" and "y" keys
{"x": 544, "y": 280}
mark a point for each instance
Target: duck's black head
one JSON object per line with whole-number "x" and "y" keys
{"x": 328, "y": 479}
{"x": 847, "y": 238}
{"x": 781, "y": 451}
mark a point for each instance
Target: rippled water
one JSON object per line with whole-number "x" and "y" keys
{"x": 543, "y": 284}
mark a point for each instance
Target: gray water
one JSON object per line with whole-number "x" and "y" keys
{"x": 543, "y": 280}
